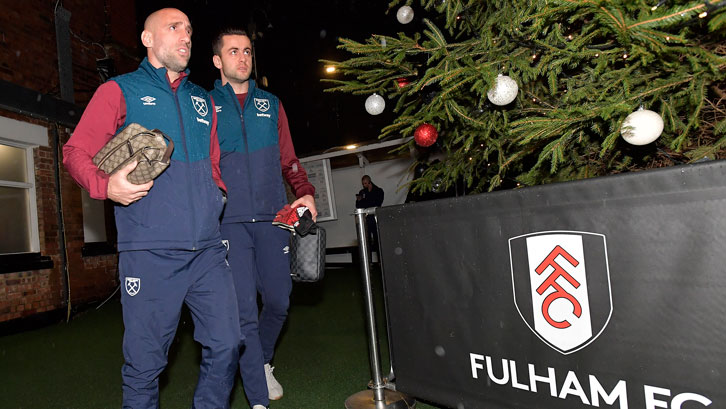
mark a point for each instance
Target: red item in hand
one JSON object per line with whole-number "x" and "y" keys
{"x": 298, "y": 219}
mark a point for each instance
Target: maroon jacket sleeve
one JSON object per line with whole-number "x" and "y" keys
{"x": 105, "y": 113}
{"x": 292, "y": 171}
{"x": 214, "y": 151}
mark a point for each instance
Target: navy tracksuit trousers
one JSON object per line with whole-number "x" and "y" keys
{"x": 155, "y": 284}
{"x": 259, "y": 259}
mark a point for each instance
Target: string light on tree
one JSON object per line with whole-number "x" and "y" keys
{"x": 425, "y": 135}
{"x": 404, "y": 14}
{"x": 375, "y": 104}
{"x": 436, "y": 186}
{"x": 642, "y": 127}
{"x": 504, "y": 90}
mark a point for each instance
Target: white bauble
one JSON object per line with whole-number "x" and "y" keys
{"x": 642, "y": 127}
{"x": 375, "y": 104}
{"x": 404, "y": 15}
{"x": 504, "y": 90}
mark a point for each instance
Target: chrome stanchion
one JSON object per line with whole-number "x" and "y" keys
{"x": 378, "y": 396}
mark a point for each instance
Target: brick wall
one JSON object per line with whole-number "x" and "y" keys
{"x": 28, "y": 58}
{"x": 28, "y": 47}
{"x": 90, "y": 279}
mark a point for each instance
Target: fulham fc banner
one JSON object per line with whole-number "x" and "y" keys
{"x": 603, "y": 293}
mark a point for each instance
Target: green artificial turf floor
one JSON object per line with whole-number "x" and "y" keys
{"x": 321, "y": 359}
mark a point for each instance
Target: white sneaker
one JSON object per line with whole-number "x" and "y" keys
{"x": 274, "y": 389}
{"x": 259, "y": 407}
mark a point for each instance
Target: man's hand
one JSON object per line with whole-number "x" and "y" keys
{"x": 309, "y": 202}
{"x": 122, "y": 191}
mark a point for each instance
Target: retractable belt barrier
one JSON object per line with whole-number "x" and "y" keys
{"x": 608, "y": 292}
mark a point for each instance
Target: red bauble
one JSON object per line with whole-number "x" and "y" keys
{"x": 425, "y": 135}
{"x": 402, "y": 82}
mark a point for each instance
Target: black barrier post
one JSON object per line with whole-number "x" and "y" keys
{"x": 378, "y": 397}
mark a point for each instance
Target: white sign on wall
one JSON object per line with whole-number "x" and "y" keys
{"x": 320, "y": 176}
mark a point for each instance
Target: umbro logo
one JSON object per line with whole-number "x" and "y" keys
{"x": 217, "y": 108}
{"x": 148, "y": 100}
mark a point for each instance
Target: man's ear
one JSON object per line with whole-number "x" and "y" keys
{"x": 217, "y": 61}
{"x": 147, "y": 39}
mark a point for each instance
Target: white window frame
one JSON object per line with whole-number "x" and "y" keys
{"x": 23, "y": 135}
{"x": 30, "y": 188}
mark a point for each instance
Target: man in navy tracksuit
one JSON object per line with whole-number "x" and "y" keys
{"x": 256, "y": 153}
{"x": 169, "y": 239}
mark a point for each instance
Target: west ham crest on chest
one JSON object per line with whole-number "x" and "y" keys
{"x": 200, "y": 105}
{"x": 262, "y": 104}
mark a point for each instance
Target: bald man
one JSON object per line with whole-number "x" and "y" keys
{"x": 169, "y": 242}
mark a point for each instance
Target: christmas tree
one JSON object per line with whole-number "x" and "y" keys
{"x": 597, "y": 87}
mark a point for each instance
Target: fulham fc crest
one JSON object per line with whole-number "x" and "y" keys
{"x": 200, "y": 105}
{"x": 133, "y": 285}
{"x": 561, "y": 285}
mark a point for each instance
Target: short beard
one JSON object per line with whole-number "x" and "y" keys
{"x": 172, "y": 64}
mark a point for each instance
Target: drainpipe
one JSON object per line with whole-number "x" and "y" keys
{"x": 66, "y": 279}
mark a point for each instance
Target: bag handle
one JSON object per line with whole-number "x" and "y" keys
{"x": 169, "y": 147}
{"x": 127, "y": 144}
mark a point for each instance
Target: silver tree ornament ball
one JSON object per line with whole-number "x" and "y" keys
{"x": 504, "y": 90}
{"x": 375, "y": 104}
{"x": 642, "y": 127}
{"x": 404, "y": 15}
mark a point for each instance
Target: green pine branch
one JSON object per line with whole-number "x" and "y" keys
{"x": 581, "y": 66}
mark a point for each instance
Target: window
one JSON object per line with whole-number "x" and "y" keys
{"x": 94, "y": 219}
{"x": 19, "y": 216}
{"x": 98, "y": 226}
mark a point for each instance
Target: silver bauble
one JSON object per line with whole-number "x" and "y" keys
{"x": 375, "y": 104}
{"x": 404, "y": 15}
{"x": 504, "y": 90}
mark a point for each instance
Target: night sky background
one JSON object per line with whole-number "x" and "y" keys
{"x": 292, "y": 38}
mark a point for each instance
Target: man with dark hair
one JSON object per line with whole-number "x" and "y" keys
{"x": 370, "y": 196}
{"x": 257, "y": 152}
{"x": 164, "y": 263}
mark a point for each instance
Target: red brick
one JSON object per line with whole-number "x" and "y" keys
{"x": 28, "y": 28}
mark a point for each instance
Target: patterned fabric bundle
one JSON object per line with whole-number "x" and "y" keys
{"x": 152, "y": 149}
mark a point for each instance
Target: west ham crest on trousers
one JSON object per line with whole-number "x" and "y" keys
{"x": 561, "y": 286}
{"x": 262, "y": 104}
{"x": 200, "y": 105}
{"x": 133, "y": 285}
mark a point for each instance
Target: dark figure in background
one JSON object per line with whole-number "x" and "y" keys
{"x": 164, "y": 263}
{"x": 370, "y": 196}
